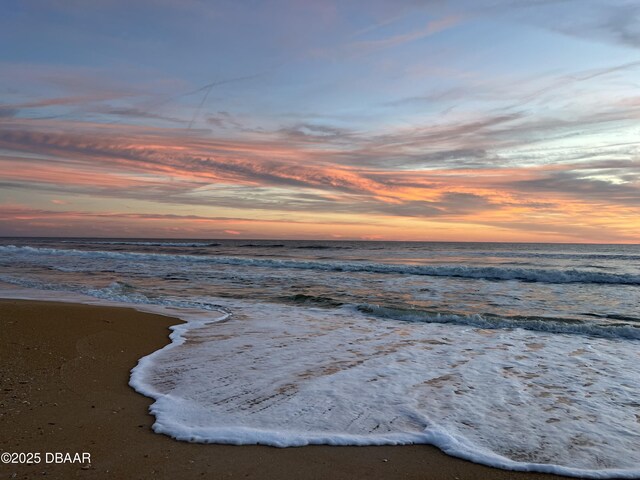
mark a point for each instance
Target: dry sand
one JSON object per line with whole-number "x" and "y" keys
{"x": 64, "y": 388}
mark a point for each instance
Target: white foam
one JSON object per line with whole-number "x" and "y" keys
{"x": 513, "y": 399}
{"x": 287, "y": 376}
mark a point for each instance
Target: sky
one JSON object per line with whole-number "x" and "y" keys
{"x": 428, "y": 120}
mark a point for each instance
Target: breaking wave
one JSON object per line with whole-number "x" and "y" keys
{"x": 537, "y": 324}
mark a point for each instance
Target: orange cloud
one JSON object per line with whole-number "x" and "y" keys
{"x": 296, "y": 179}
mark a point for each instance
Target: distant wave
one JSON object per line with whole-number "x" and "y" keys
{"x": 613, "y": 316}
{"x": 538, "y": 324}
{"x": 262, "y": 245}
{"x": 459, "y": 271}
{"x": 145, "y": 244}
{"x": 549, "y": 255}
{"x": 324, "y": 247}
{"x": 424, "y": 251}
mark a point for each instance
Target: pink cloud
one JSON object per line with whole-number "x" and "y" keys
{"x": 431, "y": 28}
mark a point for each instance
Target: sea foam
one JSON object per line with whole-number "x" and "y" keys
{"x": 512, "y": 399}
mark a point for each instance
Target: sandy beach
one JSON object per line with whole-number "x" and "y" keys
{"x": 65, "y": 372}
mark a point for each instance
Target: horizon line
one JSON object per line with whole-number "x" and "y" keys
{"x": 310, "y": 240}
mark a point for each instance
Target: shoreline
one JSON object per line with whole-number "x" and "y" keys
{"x": 66, "y": 369}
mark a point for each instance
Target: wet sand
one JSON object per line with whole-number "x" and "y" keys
{"x": 64, "y": 388}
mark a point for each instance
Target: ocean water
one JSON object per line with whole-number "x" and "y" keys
{"x": 520, "y": 356}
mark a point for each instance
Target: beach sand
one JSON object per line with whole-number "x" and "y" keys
{"x": 64, "y": 388}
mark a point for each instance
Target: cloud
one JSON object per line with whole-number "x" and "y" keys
{"x": 613, "y": 22}
{"x": 209, "y": 161}
{"x": 8, "y": 212}
{"x": 489, "y": 168}
{"x": 578, "y": 184}
{"x": 431, "y": 28}
{"x": 138, "y": 113}
{"x": 224, "y": 120}
{"x": 71, "y": 100}
{"x": 313, "y": 133}
{"x": 7, "y": 111}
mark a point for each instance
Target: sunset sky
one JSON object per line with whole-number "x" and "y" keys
{"x": 476, "y": 120}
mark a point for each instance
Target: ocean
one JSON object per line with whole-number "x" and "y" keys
{"x": 519, "y": 356}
